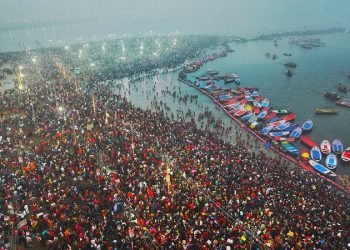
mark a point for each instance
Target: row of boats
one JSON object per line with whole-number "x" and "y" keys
{"x": 277, "y": 125}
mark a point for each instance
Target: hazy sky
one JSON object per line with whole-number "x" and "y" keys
{"x": 207, "y": 16}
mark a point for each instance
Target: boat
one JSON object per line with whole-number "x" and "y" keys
{"x": 337, "y": 147}
{"x": 290, "y": 64}
{"x": 322, "y": 169}
{"x": 243, "y": 101}
{"x": 282, "y": 111}
{"x": 258, "y": 98}
{"x": 289, "y": 73}
{"x": 265, "y": 103}
{"x": 254, "y": 125}
{"x": 304, "y": 153}
{"x": 249, "y": 98}
{"x": 282, "y": 126}
{"x": 266, "y": 130}
{"x": 331, "y": 161}
{"x": 296, "y": 133}
{"x": 281, "y": 138}
{"x": 307, "y": 125}
{"x": 240, "y": 112}
{"x": 257, "y": 104}
{"x": 287, "y": 54}
{"x": 343, "y": 103}
{"x": 270, "y": 116}
{"x": 308, "y": 141}
{"x": 255, "y": 93}
{"x": 291, "y": 127}
{"x": 274, "y": 57}
{"x": 262, "y": 114}
{"x": 332, "y": 95}
{"x": 256, "y": 110}
{"x": 316, "y": 153}
{"x": 289, "y": 117}
{"x": 276, "y": 123}
{"x": 325, "y": 147}
{"x": 342, "y": 88}
{"x": 248, "y": 107}
{"x": 290, "y": 148}
{"x": 279, "y": 133}
{"x": 346, "y": 155}
{"x": 247, "y": 116}
{"x": 212, "y": 71}
{"x": 326, "y": 111}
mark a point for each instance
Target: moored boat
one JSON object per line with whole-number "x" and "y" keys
{"x": 316, "y": 154}
{"x": 291, "y": 127}
{"x": 282, "y": 138}
{"x": 304, "y": 153}
{"x": 308, "y": 141}
{"x": 270, "y": 116}
{"x": 283, "y": 126}
{"x": 239, "y": 112}
{"x": 331, "y": 161}
{"x": 289, "y": 117}
{"x": 325, "y": 147}
{"x": 290, "y": 148}
{"x": 296, "y": 133}
{"x": 282, "y": 111}
{"x": 262, "y": 114}
{"x": 265, "y": 102}
{"x": 279, "y": 133}
{"x": 337, "y": 147}
{"x": 321, "y": 169}
{"x": 266, "y": 130}
{"x": 346, "y": 155}
{"x": 307, "y": 125}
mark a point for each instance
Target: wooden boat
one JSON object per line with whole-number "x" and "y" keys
{"x": 256, "y": 110}
{"x": 257, "y": 104}
{"x": 266, "y": 130}
{"x": 247, "y": 116}
{"x": 287, "y": 54}
{"x": 289, "y": 117}
{"x": 289, "y": 73}
{"x": 326, "y": 111}
{"x": 342, "y": 88}
{"x": 346, "y": 155}
{"x": 248, "y": 107}
{"x": 258, "y": 98}
{"x": 321, "y": 169}
{"x": 262, "y": 114}
{"x": 337, "y": 147}
{"x": 276, "y": 123}
{"x": 270, "y": 116}
{"x": 240, "y": 112}
{"x": 281, "y": 138}
{"x": 212, "y": 71}
{"x": 255, "y": 93}
{"x": 316, "y": 154}
{"x": 282, "y": 111}
{"x": 291, "y": 127}
{"x": 343, "y": 103}
{"x": 332, "y": 95}
{"x": 325, "y": 147}
{"x": 304, "y": 153}
{"x": 279, "y": 133}
{"x": 308, "y": 141}
{"x": 265, "y": 103}
{"x": 249, "y": 98}
{"x": 296, "y": 133}
{"x": 243, "y": 101}
{"x": 331, "y": 161}
{"x": 307, "y": 125}
{"x": 254, "y": 125}
{"x": 283, "y": 126}
{"x": 290, "y": 148}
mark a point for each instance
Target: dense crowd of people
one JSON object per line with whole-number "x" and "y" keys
{"x": 82, "y": 168}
